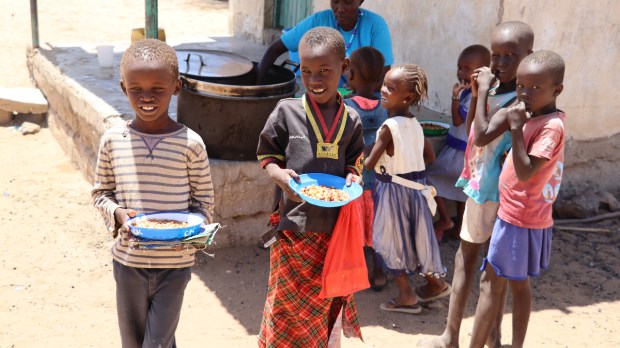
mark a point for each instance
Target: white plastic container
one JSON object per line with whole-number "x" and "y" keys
{"x": 105, "y": 55}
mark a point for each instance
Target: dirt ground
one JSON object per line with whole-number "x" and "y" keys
{"x": 56, "y": 281}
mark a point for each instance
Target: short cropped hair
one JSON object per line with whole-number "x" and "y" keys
{"x": 550, "y": 61}
{"x": 415, "y": 80}
{"x": 522, "y": 31}
{"x": 149, "y": 50}
{"x": 328, "y": 37}
{"x": 480, "y": 52}
{"x": 368, "y": 63}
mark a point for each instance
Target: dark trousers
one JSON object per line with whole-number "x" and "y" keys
{"x": 148, "y": 303}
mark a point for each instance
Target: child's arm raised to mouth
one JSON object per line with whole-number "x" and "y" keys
{"x": 525, "y": 164}
{"x": 485, "y": 129}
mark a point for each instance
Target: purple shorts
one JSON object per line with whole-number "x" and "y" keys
{"x": 517, "y": 253}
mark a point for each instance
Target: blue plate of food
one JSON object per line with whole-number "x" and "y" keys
{"x": 165, "y": 226}
{"x": 325, "y": 190}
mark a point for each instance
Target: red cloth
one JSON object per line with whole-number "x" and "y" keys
{"x": 345, "y": 271}
{"x": 368, "y": 212}
{"x": 294, "y": 315}
{"x": 365, "y": 103}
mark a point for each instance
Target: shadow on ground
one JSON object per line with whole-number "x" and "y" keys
{"x": 239, "y": 278}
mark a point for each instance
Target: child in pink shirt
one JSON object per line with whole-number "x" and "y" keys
{"x": 529, "y": 183}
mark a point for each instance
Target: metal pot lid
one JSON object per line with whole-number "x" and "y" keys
{"x": 212, "y": 64}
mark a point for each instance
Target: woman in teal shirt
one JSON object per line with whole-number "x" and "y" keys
{"x": 359, "y": 28}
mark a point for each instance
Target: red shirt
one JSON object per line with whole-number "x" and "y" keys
{"x": 528, "y": 203}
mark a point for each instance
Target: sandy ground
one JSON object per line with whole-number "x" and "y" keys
{"x": 56, "y": 282}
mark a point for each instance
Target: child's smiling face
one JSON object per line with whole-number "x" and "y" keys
{"x": 537, "y": 89}
{"x": 506, "y": 54}
{"x": 149, "y": 86}
{"x": 321, "y": 69}
{"x": 395, "y": 97}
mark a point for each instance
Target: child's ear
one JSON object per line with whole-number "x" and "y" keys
{"x": 177, "y": 87}
{"x": 123, "y": 87}
{"x": 345, "y": 65}
{"x": 410, "y": 98}
{"x": 558, "y": 89}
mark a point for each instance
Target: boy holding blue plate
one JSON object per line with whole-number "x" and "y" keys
{"x": 150, "y": 164}
{"x": 316, "y": 133}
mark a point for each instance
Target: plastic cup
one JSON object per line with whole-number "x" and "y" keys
{"x": 105, "y": 55}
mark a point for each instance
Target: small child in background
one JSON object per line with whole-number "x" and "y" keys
{"x": 529, "y": 183}
{"x": 446, "y": 169}
{"x": 365, "y": 75}
{"x": 403, "y": 235}
{"x": 150, "y": 164}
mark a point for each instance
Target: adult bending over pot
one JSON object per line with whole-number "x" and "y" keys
{"x": 359, "y": 27}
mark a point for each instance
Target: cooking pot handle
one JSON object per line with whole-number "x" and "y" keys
{"x": 185, "y": 83}
{"x": 295, "y": 65}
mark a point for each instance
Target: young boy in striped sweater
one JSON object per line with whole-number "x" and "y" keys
{"x": 150, "y": 164}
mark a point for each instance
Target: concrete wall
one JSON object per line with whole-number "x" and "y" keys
{"x": 585, "y": 33}
{"x": 253, "y": 20}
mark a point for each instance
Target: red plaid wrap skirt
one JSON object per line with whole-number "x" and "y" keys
{"x": 294, "y": 315}
{"x": 367, "y": 214}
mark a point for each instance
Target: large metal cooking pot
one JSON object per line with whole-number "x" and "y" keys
{"x": 229, "y": 112}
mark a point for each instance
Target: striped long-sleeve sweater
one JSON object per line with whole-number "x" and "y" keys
{"x": 152, "y": 173}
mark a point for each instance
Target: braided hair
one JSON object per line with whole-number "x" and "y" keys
{"x": 415, "y": 81}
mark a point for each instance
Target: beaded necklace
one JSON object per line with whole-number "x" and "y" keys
{"x": 359, "y": 19}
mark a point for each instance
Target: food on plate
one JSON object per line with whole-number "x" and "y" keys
{"x": 159, "y": 223}
{"x": 432, "y": 126}
{"x": 325, "y": 193}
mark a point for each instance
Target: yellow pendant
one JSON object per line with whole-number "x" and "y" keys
{"x": 327, "y": 150}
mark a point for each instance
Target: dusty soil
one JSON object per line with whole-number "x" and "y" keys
{"x": 56, "y": 282}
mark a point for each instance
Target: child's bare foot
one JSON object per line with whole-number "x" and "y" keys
{"x": 494, "y": 340}
{"x": 430, "y": 292}
{"x": 378, "y": 281}
{"x": 442, "y": 341}
{"x": 440, "y": 226}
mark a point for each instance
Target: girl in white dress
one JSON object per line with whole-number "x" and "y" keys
{"x": 403, "y": 234}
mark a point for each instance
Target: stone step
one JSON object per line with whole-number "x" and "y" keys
{"x": 23, "y": 100}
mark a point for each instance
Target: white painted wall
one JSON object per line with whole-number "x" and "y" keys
{"x": 586, "y": 34}
{"x": 432, "y": 33}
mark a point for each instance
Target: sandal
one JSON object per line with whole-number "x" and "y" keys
{"x": 392, "y": 306}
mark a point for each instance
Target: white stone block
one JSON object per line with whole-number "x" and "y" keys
{"x": 23, "y": 100}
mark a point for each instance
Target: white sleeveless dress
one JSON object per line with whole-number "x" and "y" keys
{"x": 403, "y": 234}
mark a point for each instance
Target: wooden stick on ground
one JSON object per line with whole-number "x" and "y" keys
{"x": 582, "y": 229}
{"x": 590, "y": 219}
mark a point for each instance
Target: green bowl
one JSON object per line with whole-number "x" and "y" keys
{"x": 344, "y": 92}
{"x": 435, "y": 132}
